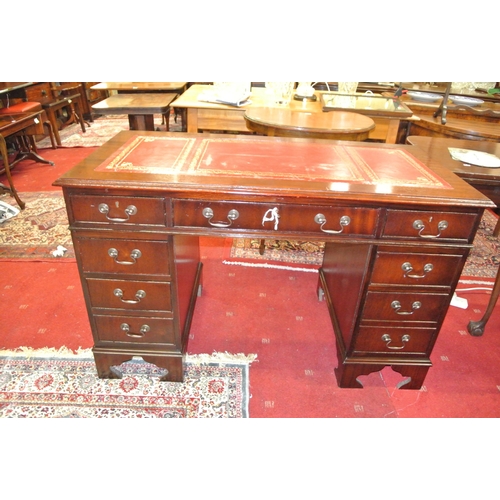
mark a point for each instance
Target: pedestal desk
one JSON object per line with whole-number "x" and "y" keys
{"x": 397, "y": 234}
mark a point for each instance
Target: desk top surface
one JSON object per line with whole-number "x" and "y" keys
{"x": 213, "y": 165}
{"x": 135, "y": 103}
{"x": 437, "y": 148}
{"x": 338, "y": 121}
{"x": 143, "y": 86}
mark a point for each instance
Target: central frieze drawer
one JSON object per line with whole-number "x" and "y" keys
{"x": 130, "y": 295}
{"x": 429, "y": 226}
{"x": 277, "y": 217}
{"x": 401, "y": 306}
{"x": 118, "y": 209}
{"x": 415, "y": 268}
{"x": 135, "y": 329}
{"x": 124, "y": 256}
{"x": 392, "y": 340}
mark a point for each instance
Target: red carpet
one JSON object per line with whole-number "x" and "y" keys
{"x": 277, "y": 316}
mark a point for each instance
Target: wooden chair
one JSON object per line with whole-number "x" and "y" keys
{"x": 25, "y": 107}
{"x": 64, "y": 99}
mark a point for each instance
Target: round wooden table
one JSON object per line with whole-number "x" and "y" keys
{"x": 333, "y": 125}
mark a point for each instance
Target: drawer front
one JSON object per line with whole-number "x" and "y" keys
{"x": 134, "y": 329}
{"x": 398, "y": 306}
{"x": 415, "y": 268}
{"x": 40, "y": 92}
{"x": 276, "y": 217}
{"x": 112, "y": 210}
{"x": 429, "y": 226}
{"x": 124, "y": 256}
{"x": 375, "y": 340}
{"x": 130, "y": 295}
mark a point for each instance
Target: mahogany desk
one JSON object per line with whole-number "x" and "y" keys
{"x": 397, "y": 235}
{"x": 140, "y": 108}
{"x": 210, "y": 117}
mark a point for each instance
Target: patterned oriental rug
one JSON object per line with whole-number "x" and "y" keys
{"x": 36, "y": 232}
{"x": 67, "y": 386}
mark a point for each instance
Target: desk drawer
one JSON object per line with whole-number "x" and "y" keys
{"x": 395, "y": 341}
{"x": 429, "y": 226}
{"x": 277, "y": 217}
{"x": 135, "y": 329}
{"x": 118, "y": 210}
{"x": 402, "y": 306}
{"x": 124, "y": 256}
{"x": 41, "y": 92}
{"x": 415, "y": 269}
{"x": 130, "y": 295}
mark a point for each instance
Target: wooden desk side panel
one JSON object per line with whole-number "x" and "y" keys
{"x": 345, "y": 268}
{"x": 186, "y": 254}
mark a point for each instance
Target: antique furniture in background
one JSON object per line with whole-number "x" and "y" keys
{"x": 468, "y": 120}
{"x": 210, "y": 117}
{"x": 21, "y": 127}
{"x": 139, "y": 107}
{"x": 278, "y": 122}
{"x": 91, "y": 96}
{"x": 149, "y": 88}
{"x": 62, "y": 103}
{"x": 397, "y": 235}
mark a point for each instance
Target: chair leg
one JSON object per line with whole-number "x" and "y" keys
{"x": 12, "y": 189}
{"x": 48, "y": 125}
{"x": 496, "y": 231}
{"x": 53, "y": 121}
{"x": 75, "y": 108}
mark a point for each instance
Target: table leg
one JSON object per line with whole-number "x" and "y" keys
{"x": 192, "y": 120}
{"x": 141, "y": 122}
{"x": 53, "y": 120}
{"x": 476, "y": 328}
{"x": 392, "y": 132}
{"x": 12, "y": 189}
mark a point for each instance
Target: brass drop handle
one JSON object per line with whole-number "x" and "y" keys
{"x": 344, "y": 221}
{"x": 130, "y": 210}
{"x": 396, "y": 305}
{"x": 408, "y": 268}
{"x": 420, "y": 226}
{"x": 387, "y": 339}
{"x": 134, "y": 255}
{"x": 126, "y": 328}
{"x": 232, "y": 215}
{"x": 139, "y": 295}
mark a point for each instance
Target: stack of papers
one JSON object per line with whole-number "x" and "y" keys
{"x": 228, "y": 99}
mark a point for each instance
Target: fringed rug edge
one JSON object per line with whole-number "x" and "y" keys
{"x": 65, "y": 352}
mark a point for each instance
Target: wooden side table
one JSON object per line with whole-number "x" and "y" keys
{"x": 284, "y": 122}
{"x": 140, "y": 108}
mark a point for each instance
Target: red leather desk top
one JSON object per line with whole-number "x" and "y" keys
{"x": 267, "y": 160}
